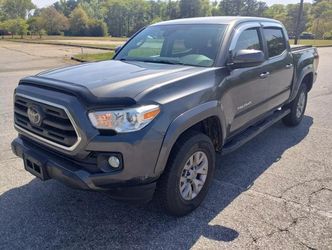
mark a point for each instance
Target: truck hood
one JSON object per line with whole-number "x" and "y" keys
{"x": 120, "y": 79}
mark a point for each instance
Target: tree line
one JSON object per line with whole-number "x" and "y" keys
{"x": 124, "y": 17}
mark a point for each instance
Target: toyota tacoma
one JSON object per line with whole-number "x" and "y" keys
{"x": 149, "y": 122}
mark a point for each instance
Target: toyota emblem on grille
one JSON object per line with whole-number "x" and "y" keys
{"x": 35, "y": 115}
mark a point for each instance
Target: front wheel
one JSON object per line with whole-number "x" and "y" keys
{"x": 297, "y": 107}
{"x": 188, "y": 174}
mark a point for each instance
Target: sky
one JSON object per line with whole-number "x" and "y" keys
{"x": 43, "y": 3}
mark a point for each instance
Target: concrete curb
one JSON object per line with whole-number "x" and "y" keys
{"x": 78, "y": 60}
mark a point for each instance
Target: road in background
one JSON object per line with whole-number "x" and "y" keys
{"x": 273, "y": 193}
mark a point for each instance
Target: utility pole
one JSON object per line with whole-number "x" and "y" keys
{"x": 298, "y": 22}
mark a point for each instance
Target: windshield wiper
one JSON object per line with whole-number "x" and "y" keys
{"x": 163, "y": 61}
{"x": 173, "y": 62}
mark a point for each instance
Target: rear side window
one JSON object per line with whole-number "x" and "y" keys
{"x": 249, "y": 39}
{"x": 275, "y": 41}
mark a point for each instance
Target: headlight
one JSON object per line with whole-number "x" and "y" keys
{"x": 126, "y": 120}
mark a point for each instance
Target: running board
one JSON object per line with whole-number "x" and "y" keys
{"x": 253, "y": 131}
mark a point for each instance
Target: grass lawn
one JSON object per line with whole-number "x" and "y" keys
{"x": 146, "y": 50}
{"x": 315, "y": 43}
{"x": 150, "y": 49}
{"x": 110, "y": 43}
{"x": 106, "y": 38}
{"x": 99, "y": 42}
{"x": 94, "y": 57}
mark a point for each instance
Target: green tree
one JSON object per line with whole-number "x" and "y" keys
{"x": 116, "y": 17}
{"x": 292, "y": 11}
{"x": 126, "y": 17}
{"x": 36, "y": 25}
{"x": 215, "y": 11}
{"x": 53, "y": 22}
{"x": 17, "y": 8}
{"x": 205, "y": 8}
{"x": 66, "y": 7}
{"x": 231, "y": 7}
{"x": 137, "y": 16}
{"x": 319, "y": 1}
{"x": 2, "y": 12}
{"x": 194, "y": 8}
{"x": 277, "y": 11}
{"x": 95, "y": 9}
{"x": 22, "y": 27}
{"x": 172, "y": 10}
{"x": 327, "y": 35}
{"x": 79, "y": 22}
{"x": 156, "y": 10}
{"x": 242, "y": 7}
{"x": 16, "y": 26}
{"x": 97, "y": 28}
{"x": 2, "y": 28}
{"x": 322, "y": 18}
{"x": 253, "y": 8}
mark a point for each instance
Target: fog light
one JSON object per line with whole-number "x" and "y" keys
{"x": 114, "y": 162}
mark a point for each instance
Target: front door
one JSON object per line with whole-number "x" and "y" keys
{"x": 248, "y": 87}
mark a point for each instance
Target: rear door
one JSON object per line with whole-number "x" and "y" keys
{"x": 248, "y": 86}
{"x": 280, "y": 64}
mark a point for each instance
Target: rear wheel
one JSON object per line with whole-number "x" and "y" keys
{"x": 297, "y": 107}
{"x": 188, "y": 174}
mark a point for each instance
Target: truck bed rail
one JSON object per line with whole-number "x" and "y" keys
{"x": 299, "y": 47}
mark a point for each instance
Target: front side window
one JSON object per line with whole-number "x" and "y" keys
{"x": 249, "y": 39}
{"x": 187, "y": 44}
{"x": 275, "y": 41}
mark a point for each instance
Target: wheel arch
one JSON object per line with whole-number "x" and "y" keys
{"x": 307, "y": 76}
{"x": 199, "y": 118}
{"x": 308, "y": 79}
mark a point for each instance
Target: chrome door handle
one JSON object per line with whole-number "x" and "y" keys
{"x": 264, "y": 75}
{"x": 288, "y": 66}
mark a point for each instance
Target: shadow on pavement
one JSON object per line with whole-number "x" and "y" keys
{"x": 41, "y": 215}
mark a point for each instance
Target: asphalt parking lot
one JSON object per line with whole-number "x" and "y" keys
{"x": 273, "y": 193}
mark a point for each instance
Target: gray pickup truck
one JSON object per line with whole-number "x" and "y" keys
{"x": 149, "y": 122}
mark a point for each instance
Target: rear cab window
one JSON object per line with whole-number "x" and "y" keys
{"x": 275, "y": 39}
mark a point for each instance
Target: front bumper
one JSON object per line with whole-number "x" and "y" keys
{"x": 47, "y": 165}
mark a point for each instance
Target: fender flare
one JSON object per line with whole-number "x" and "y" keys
{"x": 184, "y": 121}
{"x": 304, "y": 72}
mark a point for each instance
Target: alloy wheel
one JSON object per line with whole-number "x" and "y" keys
{"x": 193, "y": 175}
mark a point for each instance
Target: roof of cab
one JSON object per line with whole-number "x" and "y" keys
{"x": 217, "y": 20}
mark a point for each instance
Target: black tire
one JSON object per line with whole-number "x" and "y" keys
{"x": 293, "y": 118}
{"x": 168, "y": 186}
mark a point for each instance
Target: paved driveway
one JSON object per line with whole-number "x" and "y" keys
{"x": 273, "y": 193}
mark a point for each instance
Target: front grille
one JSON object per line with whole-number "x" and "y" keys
{"x": 55, "y": 127}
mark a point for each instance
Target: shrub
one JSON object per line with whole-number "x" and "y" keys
{"x": 328, "y": 35}
{"x": 97, "y": 28}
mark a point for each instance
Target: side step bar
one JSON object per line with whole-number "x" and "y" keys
{"x": 253, "y": 131}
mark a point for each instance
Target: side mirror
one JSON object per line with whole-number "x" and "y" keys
{"x": 247, "y": 58}
{"x": 117, "y": 48}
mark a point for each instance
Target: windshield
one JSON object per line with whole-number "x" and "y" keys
{"x": 195, "y": 45}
